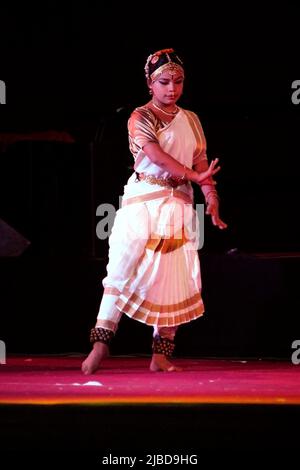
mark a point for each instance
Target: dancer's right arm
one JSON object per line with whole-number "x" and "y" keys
{"x": 177, "y": 169}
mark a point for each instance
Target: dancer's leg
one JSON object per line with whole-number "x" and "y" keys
{"x": 163, "y": 347}
{"x": 100, "y": 338}
{"x": 126, "y": 247}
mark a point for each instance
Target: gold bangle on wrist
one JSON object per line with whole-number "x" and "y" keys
{"x": 184, "y": 174}
{"x": 212, "y": 195}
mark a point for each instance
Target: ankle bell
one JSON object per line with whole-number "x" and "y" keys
{"x": 101, "y": 334}
{"x": 163, "y": 346}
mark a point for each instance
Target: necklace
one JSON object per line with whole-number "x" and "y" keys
{"x": 166, "y": 112}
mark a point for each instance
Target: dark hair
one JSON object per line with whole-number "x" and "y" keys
{"x": 159, "y": 58}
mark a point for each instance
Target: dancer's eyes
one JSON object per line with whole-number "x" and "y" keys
{"x": 178, "y": 81}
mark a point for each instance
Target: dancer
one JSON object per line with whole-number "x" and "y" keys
{"x": 153, "y": 272}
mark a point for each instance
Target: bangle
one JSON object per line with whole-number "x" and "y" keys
{"x": 211, "y": 194}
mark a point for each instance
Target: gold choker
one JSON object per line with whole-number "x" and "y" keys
{"x": 173, "y": 113}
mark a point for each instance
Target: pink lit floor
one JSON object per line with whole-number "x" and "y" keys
{"x": 58, "y": 380}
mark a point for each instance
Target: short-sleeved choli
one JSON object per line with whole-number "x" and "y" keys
{"x": 142, "y": 129}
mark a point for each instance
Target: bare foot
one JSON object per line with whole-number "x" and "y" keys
{"x": 92, "y": 362}
{"x": 159, "y": 362}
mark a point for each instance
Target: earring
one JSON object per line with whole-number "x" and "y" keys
{"x": 150, "y": 91}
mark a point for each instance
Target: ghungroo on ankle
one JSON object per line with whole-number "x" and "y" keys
{"x": 102, "y": 335}
{"x": 163, "y": 346}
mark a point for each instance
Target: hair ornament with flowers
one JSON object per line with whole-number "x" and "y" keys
{"x": 163, "y": 60}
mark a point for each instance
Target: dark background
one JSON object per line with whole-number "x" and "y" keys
{"x": 78, "y": 70}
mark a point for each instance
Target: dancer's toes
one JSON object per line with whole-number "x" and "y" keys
{"x": 92, "y": 363}
{"x": 174, "y": 369}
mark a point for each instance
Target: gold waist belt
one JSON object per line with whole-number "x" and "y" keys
{"x": 170, "y": 182}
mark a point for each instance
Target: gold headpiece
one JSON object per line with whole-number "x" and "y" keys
{"x": 163, "y": 60}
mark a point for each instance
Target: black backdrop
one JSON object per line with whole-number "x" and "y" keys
{"x": 80, "y": 70}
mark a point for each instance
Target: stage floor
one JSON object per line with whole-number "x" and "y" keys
{"x": 48, "y": 405}
{"x": 58, "y": 380}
